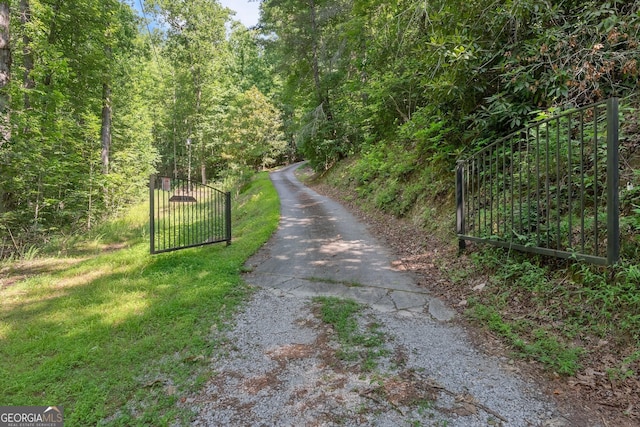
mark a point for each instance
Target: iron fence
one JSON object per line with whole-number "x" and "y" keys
{"x": 551, "y": 188}
{"x": 186, "y": 214}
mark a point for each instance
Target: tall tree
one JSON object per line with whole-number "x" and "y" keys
{"x": 29, "y": 82}
{"x": 76, "y": 57}
{"x": 310, "y": 44}
{"x": 196, "y": 48}
{"x": 5, "y": 74}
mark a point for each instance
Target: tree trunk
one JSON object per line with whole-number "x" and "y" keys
{"x": 323, "y": 97}
{"x": 29, "y": 83}
{"x": 51, "y": 39}
{"x": 175, "y": 135}
{"x": 203, "y": 167}
{"x": 105, "y": 134}
{"x": 314, "y": 51}
{"x": 5, "y": 74}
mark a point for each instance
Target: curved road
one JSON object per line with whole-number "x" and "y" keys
{"x": 278, "y": 366}
{"x": 321, "y": 249}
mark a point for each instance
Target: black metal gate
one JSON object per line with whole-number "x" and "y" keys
{"x": 551, "y": 188}
{"x": 185, "y": 214}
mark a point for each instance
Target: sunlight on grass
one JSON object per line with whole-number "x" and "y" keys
{"x": 4, "y": 330}
{"x": 92, "y": 332}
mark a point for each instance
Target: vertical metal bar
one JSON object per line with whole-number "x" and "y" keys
{"x": 569, "y": 173}
{"x": 162, "y": 195}
{"x": 504, "y": 189}
{"x": 479, "y": 196}
{"x": 528, "y": 188}
{"x": 228, "y": 217}
{"x": 173, "y": 209}
{"x": 485, "y": 195}
{"x": 496, "y": 179}
{"x": 207, "y": 214}
{"x": 471, "y": 195}
{"x": 195, "y": 223}
{"x": 218, "y": 196}
{"x": 179, "y": 219}
{"x": 200, "y": 222}
{"x": 152, "y": 228}
{"x": 190, "y": 214}
{"x": 520, "y": 183}
{"x": 160, "y": 220}
{"x": 582, "y": 188}
{"x": 205, "y": 217}
{"x": 538, "y": 184}
{"x": 512, "y": 185}
{"x": 214, "y": 201}
{"x": 503, "y": 180}
{"x": 200, "y": 214}
{"x": 223, "y": 215}
{"x": 558, "y": 181}
{"x": 495, "y": 182}
{"x": 189, "y": 207}
{"x": 465, "y": 194}
{"x": 490, "y": 192}
{"x": 595, "y": 179}
{"x": 460, "y": 203}
{"x": 547, "y": 185}
{"x": 183, "y": 217}
{"x": 209, "y": 217}
{"x": 501, "y": 193}
{"x": 613, "y": 202}
{"x": 162, "y": 232}
{"x": 216, "y": 210}
{"x": 165, "y": 196}
{"x": 219, "y": 215}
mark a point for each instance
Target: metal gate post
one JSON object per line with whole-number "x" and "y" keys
{"x": 460, "y": 228}
{"x": 613, "y": 198}
{"x": 152, "y": 224}
{"x": 228, "y": 216}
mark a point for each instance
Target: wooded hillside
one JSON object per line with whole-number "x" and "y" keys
{"x": 444, "y": 76}
{"x": 404, "y": 88}
{"x": 96, "y": 95}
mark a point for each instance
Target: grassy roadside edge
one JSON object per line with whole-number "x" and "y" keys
{"x": 117, "y": 338}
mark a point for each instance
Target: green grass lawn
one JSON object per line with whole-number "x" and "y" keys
{"x": 119, "y": 337}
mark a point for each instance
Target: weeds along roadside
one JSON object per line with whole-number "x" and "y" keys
{"x": 560, "y": 313}
{"x": 117, "y": 336}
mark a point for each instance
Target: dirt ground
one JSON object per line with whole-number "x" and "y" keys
{"x": 590, "y": 393}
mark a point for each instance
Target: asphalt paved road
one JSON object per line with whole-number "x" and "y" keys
{"x": 279, "y": 367}
{"x": 321, "y": 249}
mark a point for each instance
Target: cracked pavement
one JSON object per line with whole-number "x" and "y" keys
{"x": 320, "y": 249}
{"x": 279, "y": 366}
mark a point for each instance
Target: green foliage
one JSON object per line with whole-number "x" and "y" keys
{"x": 580, "y": 302}
{"x": 252, "y": 132}
{"x": 539, "y": 344}
{"x": 51, "y": 177}
{"x": 115, "y": 336}
{"x": 182, "y": 100}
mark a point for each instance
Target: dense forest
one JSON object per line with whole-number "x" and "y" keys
{"x": 96, "y": 96}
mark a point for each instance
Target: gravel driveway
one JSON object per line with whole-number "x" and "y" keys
{"x": 282, "y": 365}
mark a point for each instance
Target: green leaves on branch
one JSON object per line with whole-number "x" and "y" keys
{"x": 253, "y": 135}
